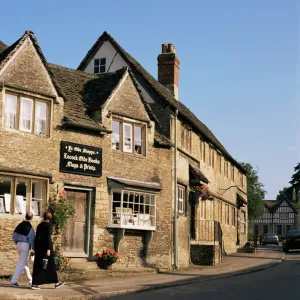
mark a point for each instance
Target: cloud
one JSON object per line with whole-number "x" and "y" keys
{"x": 291, "y": 148}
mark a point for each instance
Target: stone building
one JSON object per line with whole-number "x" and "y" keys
{"x": 278, "y": 216}
{"x": 105, "y": 134}
{"x": 207, "y": 229}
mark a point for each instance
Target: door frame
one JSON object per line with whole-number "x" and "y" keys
{"x": 87, "y": 244}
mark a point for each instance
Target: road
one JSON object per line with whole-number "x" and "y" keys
{"x": 279, "y": 282}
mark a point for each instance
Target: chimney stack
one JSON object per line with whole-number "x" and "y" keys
{"x": 168, "y": 68}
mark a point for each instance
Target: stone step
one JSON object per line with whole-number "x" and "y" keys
{"x": 246, "y": 250}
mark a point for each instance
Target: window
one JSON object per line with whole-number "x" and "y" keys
{"x": 181, "y": 199}
{"x": 265, "y": 229}
{"x": 227, "y": 214}
{"x": 132, "y": 136}
{"x": 26, "y": 114}
{"x": 99, "y": 65}
{"x": 243, "y": 222}
{"x": 30, "y": 195}
{"x": 185, "y": 138}
{"x": 241, "y": 179}
{"x": 232, "y": 173}
{"x": 233, "y": 217}
{"x": 219, "y": 166}
{"x": 288, "y": 228}
{"x": 202, "y": 150}
{"x": 115, "y": 138}
{"x": 132, "y": 209}
{"x": 284, "y": 216}
{"x": 220, "y": 211}
{"x": 211, "y": 157}
{"x": 226, "y": 168}
{"x": 279, "y": 229}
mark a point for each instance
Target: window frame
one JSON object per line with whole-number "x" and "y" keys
{"x": 123, "y": 223}
{"x": 186, "y": 138}
{"x": 181, "y": 190}
{"x": 243, "y": 222}
{"x": 16, "y": 209}
{"x": 101, "y": 64}
{"x": 233, "y": 216}
{"x": 133, "y": 125}
{"x": 18, "y": 115}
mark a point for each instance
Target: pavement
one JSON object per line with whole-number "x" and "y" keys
{"x": 233, "y": 265}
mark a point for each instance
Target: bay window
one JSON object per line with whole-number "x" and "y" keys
{"x": 26, "y": 114}
{"x": 21, "y": 195}
{"x": 133, "y": 209}
{"x": 128, "y": 137}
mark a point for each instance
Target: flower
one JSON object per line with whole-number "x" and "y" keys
{"x": 202, "y": 191}
{"x": 107, "y": 255}
{"x": 62, "y": 193}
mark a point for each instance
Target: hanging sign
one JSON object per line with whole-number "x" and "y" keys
{"x": 80, "y": 159}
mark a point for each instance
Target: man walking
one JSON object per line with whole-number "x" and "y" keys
{"x": 23, "y": 237}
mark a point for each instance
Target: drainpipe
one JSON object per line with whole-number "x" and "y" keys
{"x": 176, "y": 263}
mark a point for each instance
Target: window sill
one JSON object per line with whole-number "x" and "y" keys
{"x": 25, "y": 133}
{"x": 17, "y": 217}
{"x": 133, "y": 227}
{"x": 130, "y": 154}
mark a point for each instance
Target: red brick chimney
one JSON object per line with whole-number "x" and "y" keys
{"x": 168, "y": 68}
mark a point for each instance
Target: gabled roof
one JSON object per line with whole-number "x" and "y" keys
{"x": 85, "y": 92}
{"x": 9, "y": 52}
{"x": 272, "y": 205}
{"x": 2, "y": 46}
{"x": 161, "y": 91}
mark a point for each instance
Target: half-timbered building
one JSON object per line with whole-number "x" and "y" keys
{"x": 277, "y": 217}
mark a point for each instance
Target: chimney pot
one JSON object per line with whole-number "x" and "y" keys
{"x": 171, "y": 48}
{"x": 164, "y": 48}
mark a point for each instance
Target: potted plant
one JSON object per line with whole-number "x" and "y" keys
{"x": 106, "y": 258}
{"x": 202, "y": 192}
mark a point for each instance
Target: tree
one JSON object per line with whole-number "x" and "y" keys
{"x": 295, "y": 182}
{"x": 285, "y": 193}
{"x": 255, "y": 191}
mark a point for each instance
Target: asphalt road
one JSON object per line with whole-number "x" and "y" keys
{"x": 279, "y": 282}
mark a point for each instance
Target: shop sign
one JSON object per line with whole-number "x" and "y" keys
{"x": 80, "y": 159}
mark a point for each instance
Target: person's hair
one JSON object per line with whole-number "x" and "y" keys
{"x": 47, "y": 215}
{"x": 29, "y": 216}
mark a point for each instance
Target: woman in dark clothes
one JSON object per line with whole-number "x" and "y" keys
{"x": 44, "y": 249}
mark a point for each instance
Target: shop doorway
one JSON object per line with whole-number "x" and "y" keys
{"x": 75, "y": 242}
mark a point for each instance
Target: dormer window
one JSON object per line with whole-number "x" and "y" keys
{"x": 26, "y": 114}
{"x": 99, "y": 65}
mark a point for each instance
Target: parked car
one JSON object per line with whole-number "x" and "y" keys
{"x": 291, "y": 241}
{"x": 270, "y": 238}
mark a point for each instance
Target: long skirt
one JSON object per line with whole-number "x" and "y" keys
{"x": 40, "y": 276}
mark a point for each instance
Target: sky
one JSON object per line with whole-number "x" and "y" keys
{"x": 239, "y": 62}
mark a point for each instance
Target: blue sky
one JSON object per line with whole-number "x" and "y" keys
{"x": 239, "y": 69}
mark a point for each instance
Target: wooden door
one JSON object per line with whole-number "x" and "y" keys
{"x": 75, "y": 233}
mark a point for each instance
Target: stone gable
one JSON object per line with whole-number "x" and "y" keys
{"x": 27, "y": 72}
{"x": 127, "y": 102}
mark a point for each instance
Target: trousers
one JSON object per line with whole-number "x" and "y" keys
{"x": 23, "y": 250}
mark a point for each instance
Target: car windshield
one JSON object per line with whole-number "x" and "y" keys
{"x": 293, "y": 233}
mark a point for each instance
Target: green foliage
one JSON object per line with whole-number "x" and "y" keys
{"x": 62, "y": 262}
{"x": 256, "y": 192}
{"x": 295, "y": 182}
{"x": 285, "y": 193}
{"x": 63, "y": 209}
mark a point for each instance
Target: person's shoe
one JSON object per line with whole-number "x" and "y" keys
{"x": 35, "y": 287}
{"x": 15, "y": 284}
{"x": 60, "y": 284}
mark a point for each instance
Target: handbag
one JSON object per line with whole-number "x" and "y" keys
{"x": 45, "y": 264}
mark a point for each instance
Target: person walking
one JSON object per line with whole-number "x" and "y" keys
{"x": 44, "y": 268}
{"x": 23, "y": 236}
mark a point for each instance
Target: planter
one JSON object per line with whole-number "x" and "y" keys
{"x": 103, "y": 264}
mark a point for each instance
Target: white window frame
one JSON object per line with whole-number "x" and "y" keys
{"x": 181, "y": 199}
{"x": 100, "y": 65}
{"x": 139, "y": 140}
{"x": 22, "y": 114}
{"x": 243, "y": 222}
{"x": 39, "y": 118}
{"x": 10, "y": 112}
{"x": 124, "y": 137}
{"x": 116, "y": 121}
{"x": 12, "y": 198}
{"x": 126, "y": 218}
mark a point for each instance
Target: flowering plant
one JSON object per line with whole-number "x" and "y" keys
{"x": 202, "y": 191}
{"x": 62, "y": 262}
{"x": 108, "y": 256}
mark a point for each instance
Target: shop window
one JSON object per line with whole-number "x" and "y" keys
{"x": 131, "y": 135}
{"x": 131, "y": 209}
{"x": 243, "y": 222}
{"x": 186, "y": 138}
{"x": 181, "y": 198}
{"x": 26, "y": 114}
{"x": 29, "y": 196}
{"x": 99, "y": 65}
